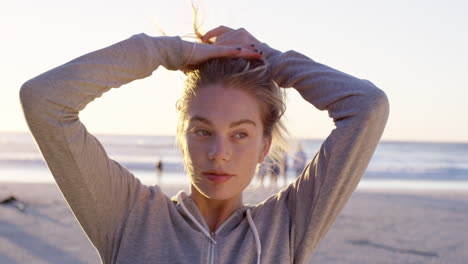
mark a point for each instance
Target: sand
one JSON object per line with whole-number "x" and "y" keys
{"x": 375, "y": 227}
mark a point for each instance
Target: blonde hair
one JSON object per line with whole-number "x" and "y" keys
{"x": 251, "y": 76}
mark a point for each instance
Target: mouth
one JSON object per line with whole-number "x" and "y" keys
{"x": 217, "y": 176}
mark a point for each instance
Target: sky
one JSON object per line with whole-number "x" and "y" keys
{"x": 413, "y": 50}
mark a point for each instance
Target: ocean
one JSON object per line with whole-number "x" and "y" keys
{"x": 395, "y": 165}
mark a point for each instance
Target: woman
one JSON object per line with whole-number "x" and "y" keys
{"x": 226, "y": 129}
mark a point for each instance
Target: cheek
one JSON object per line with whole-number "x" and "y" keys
{"x": 195, "y": 151}
{"x": 193, "y": 146}
{"x": 249, "y": 154}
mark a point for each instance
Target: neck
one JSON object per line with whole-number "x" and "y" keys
{"x": 215, "y": 212}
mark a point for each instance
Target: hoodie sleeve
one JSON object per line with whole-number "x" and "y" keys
{"x": 359, "y": 111}
{"x": 99, "y": 191}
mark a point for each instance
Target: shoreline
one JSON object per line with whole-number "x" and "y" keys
{"x": 365, "y": 185}
{"x": 377, "y": 226}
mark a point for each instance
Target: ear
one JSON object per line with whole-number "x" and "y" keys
{"x": 265, "y": 148}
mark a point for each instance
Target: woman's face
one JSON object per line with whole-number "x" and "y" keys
{"x": 224, "y": 141}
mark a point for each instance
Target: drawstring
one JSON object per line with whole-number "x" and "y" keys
{"x": 207, "y": 234}
{"x": 255, "y": 233}
{"x": 202, "y": 229}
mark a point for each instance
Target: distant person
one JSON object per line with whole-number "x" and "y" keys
{"x": 159, "y": 170}
{"x": 275, "y": 170}
{"x": 229, "y": 118}
{"x": 300, "y": 159}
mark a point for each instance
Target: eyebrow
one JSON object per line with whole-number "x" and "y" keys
{"x": 233, "y": 124}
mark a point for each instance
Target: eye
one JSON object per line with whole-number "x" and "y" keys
{"x": 202, "y": 132}
{"x": 241, "y": 135}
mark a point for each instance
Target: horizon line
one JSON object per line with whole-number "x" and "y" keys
{"x": 292, "y": 138}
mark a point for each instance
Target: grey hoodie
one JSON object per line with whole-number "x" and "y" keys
{"x": 129, "y": 222}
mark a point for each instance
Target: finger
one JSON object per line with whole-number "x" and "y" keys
{"x": 211, "y": 52}
{"x": 224, "y": 51}
{"x": 251, "y": 54}
{"x": 215, "y": 33}
{"x": 203, "y": 52}
{"x": 239, "y": 53}
{"x": 252, "y": 47}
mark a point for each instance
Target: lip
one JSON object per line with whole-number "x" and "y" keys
{"x": 217, "y": 176}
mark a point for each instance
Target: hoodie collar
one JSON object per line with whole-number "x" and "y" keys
{"x": 236, "y": 218}
{"x": 188, "y": 208}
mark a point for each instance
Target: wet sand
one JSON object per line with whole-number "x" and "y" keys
{"x": 374, "y": 227}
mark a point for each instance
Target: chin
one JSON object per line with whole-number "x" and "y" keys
{"x": 217, "y": 192}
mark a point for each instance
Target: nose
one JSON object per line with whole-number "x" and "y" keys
{"x": 219, "y": 149}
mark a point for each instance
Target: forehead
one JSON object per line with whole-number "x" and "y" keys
{"x": 221, "y": 104}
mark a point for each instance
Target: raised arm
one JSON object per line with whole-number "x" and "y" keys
{"x": 99, "y": 190}
{"x": 359, "y": 111}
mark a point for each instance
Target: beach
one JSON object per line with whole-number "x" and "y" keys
{"x": 375, "y": 227}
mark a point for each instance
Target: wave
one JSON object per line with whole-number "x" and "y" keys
{"x": 176, "y": 165}
{"x": 434, "y": 174}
